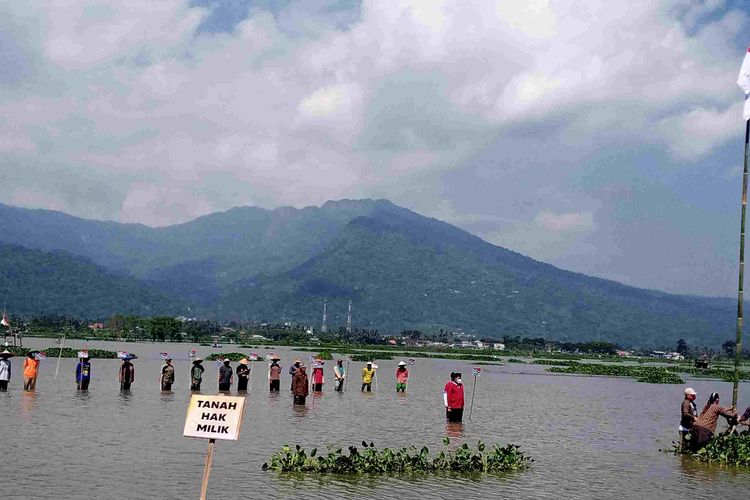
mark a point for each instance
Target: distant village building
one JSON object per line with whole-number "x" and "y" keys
{"x": 498, "y": 346}
{"x": 97, "y": 326}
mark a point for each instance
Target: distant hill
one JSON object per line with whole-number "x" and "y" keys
{"x": 400, "y": 269}
{"x": 34, "y": 282}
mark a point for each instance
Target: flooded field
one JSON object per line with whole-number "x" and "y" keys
{"x": 588, "y": 436}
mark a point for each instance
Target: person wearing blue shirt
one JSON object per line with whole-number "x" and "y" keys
{"x": 83, "y": 374}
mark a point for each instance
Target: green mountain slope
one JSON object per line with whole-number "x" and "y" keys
{"x": 194, "y": 260}
{"x": 404, "y": 272}
{"x": 35, "y": 282}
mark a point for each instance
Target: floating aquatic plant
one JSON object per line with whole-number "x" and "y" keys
{"x": 648, "y": 374}
{"x": 370, "y": 460}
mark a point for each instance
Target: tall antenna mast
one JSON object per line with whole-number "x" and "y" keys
{"x": 324, "y": 326}
{"x": 349, "y": 318}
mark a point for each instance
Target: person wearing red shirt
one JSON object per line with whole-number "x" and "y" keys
{"x": 453, "y": 397}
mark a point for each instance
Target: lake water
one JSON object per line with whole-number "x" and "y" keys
{"x": 589, "y": 437}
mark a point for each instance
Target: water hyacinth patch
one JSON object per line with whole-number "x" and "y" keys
{"x": 67, "y": 352}
{"x": 231, "y": 356}
{"x": 370, "y": 460}
{"x": 733, "y": 450}
{"x": 647, "y": 374}
{"x": 728, "y": 450}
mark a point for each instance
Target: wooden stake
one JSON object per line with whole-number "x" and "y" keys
{"x": 740, "y": 300}
{"x": 207, "y": 468}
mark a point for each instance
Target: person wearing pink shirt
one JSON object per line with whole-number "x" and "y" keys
{"x": 402, "y": 377}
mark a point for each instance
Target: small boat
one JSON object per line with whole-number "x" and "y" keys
{"x": 216, "y": 345}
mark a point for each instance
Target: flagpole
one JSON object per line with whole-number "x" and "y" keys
{"x": 740, "y": 287}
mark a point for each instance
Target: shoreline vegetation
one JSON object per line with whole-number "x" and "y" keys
{"x": 370, "y": 460}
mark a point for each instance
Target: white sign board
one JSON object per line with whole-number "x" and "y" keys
{"x": 476, "y": 371}
{"x": 214, "y": 417}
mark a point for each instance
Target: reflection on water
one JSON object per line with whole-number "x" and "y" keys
{"x": 167, "y": 396}
{"x": 299, "y": 411}
{"x": 589, "y": 436}
{"x": 28, "y": 404}
{"x": 454, "y": 429}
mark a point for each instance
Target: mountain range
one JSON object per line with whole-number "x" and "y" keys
{"x": 400, "y": 270}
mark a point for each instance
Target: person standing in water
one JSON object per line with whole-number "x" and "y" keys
{"x": 453, "y": 397}
{"x": 689, "y": 412}
{"x": 300, "y": 385}
{"x": 226, "y": 377}
{"x": 5, "y": 366}
{"x": 196, "y": 374}
{"x": 339, "y": 375}
{"x": 317, "y": 375}
{"x": 127, "y": 374}
{"x": 243, "y": 375}
{"x": 30, "y": 371}
{"x": 83, "y": 374}
{"x": 274, "y": 375}
{"x": 292, "y": 370}
{"x": 368, "y": 373}
{"x": 705, "y": 425}
{"x": 167, "y": 375}
{"x": 402, "y": 377}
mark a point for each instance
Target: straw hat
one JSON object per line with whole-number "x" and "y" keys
{"x": 274, "y": 357}
{"x": 7, "y": 354}
{"x": 197, "y": 360}
{"x": 297, "y": 360}
{"x": 689, "y": 391}
{"x": 243, "y": 361}
{"x": 401, "y": 363}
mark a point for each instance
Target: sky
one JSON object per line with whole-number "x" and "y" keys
{"x": 602, "y": 137}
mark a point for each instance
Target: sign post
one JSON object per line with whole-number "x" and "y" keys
{"x": 476, "y": 371}
{"x": 212, "y": 418}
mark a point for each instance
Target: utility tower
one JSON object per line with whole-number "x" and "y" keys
{"x": 324, "y": 326}
{"x": 349, "y": 319}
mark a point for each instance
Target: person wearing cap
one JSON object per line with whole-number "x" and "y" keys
{"x": 274, "y": 375}
{"x": 402, "y": 377}
{"x": 292, "y": 370}
{"x": 243, "y": 375}
{"x": 167, "y": 375}
{"x": 453, "y": 397}
{"x": 226, "y": 377}
{"x": 196, "y": 374}
{"x": 317, "y": 375}
{"x": 705, "y": 425}
{"x": 339, "y": 375}
{"x": 5, "y": 368}
{"x": 83, "y": 374}
{"x": 30, "y": 371}
{"x": 127, "y": 373}
{"x": 368, "y": 373}
{"x": 300, "y": 385}
{"x": 689, "y": 413}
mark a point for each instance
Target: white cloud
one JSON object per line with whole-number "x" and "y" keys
{"x": 565, "y": 222}
{"x": 135, "y": 92}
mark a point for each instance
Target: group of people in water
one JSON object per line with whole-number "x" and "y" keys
{"x": 697, "y": 429}
{"x": 300, "y": 387}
